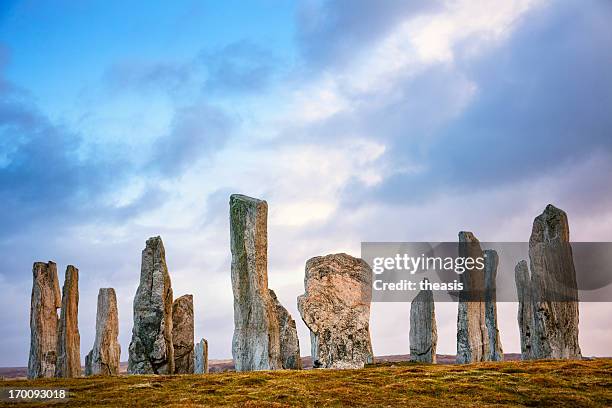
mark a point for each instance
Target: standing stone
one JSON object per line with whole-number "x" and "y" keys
{"x": 201, "y": 357}
{"x": 45, "y": 301}
{"x": 103, "y": 359}
{"x": 151, "y": 350}
{"x": 554, "y": 290}
{"x": 256, "y": 340}
{"x": 182, "y": 334}
{"x": 336, "y": 309}
{"x": 496, "y": 353}
{"x": 525, "y": 309}
{"x": 472, "y": 335}
{"x": 68, "y": 339}
{"x": 423, "y": 332}
{"x": 289, "y": 342}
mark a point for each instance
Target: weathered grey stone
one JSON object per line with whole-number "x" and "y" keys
{"x": 256, "y": 340}
{"x": 201, "y": 357}
{"x": 289, "y": 342}
{"x": 68, "y": 338}
{"x": 525, "y": 309}
{"x": 336, "y": 309}
{"x": 472, "y": 335}
{"x": 103, "y": 359}
{"x": 496, "y": 352}
{"x": 423, "y": 332}
{"x": 182, "y": 334}
{"x": 151, "y": 350}
{"x": 45, "y": 301}
{"x": 553, "y": 287}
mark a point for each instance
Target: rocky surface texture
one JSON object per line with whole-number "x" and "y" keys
{"x": 182, "y": 334}
{"x": 256, "y": 340}
{"x": 151, "y": 350}
{"x": 472, "y": 334}
{"x": 496, "y": 353}
{"x": 423, "y": 332}
{"x": 289, "y": 342}
{"x": 525, "y": 309}
{"x": 45, "y": 301}
{"x": 103, "y": 359}
{"x": 201, "y": 357}
{"x": 336, "y": 309}
{"x": 68, "y": 337}
{"x": 553, "y": 287}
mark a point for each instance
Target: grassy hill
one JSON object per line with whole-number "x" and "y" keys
{"x": 541, "y": 383}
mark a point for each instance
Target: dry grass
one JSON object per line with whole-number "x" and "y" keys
{"x": 541, "y": 383}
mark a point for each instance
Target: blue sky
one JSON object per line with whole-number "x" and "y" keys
{"x": 356, "y": 121}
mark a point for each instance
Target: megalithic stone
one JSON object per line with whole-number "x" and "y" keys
{"x": 472, "y": 336}
{"x": 256, "y": 340}
{"x": 45, "y": 301}
{"x": 68, "y": 338}
{"x": 525, "y": 309}
{"x": 554, "y": 288}
{"x": 182, "y": 334}
{"x": 151, "y": 350}
{"x": 103, "y": 359}
{"x": 423, "y": 332}
{"x": 496, "y": 352}
{"x": 336, "y": 309}
{"x": 201, "y": 357}
{"x": 289, "y": 341}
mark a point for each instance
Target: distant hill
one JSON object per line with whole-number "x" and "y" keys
{"x": 228, "y": 365}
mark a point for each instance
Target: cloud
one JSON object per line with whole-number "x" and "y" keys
{"x": 149, "y": 76}
{"x": 539, "y": 105}
{"x": 330, "y": 31}
{"x": 239, "y": 67}
{"x": 197, "y": 132}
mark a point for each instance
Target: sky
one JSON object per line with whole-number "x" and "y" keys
{"x": 356, "y": 120}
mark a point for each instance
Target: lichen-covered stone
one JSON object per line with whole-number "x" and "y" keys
{"x": 553, "y": 287}
{"x": 336, "y": 309}
{"x": 525, "y": 309}
{"x": 45, "y": 301}
{"x": 256, "y": 340}
{"x": 423, "y": 332}
{"x": 182, "y": 334}
{"x": 68, "y": 338}
{"x": 472, "y": 334}
{"x": 151, "y": 350}
{"x": 289, "y": 342}
{"x": 496, "y": 352}
{"x": 103, "y": 359}
{"x": 201, "y": 357}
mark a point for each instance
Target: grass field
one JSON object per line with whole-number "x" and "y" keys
{"x": 541, "y": 383}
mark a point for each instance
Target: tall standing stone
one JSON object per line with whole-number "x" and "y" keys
{"x": 201, "y": 357}
{"x": 45, "y": 301}
{"x": 525, "y": 309}
{"x": 336, "y": 309}
{"x": 423, "y": 332}
{"x": 496, "y": 353}
{"x": 151, "y": 350}
{"x": 68, "y": 338}
{"x": 472, "y": 334}
{"x": 554, "y": 289}
{"x": 289, "y": 342}
{"x": 103, "y": 359}
{"x": 182, "y": 334}
{"x": 256, "y": 341}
